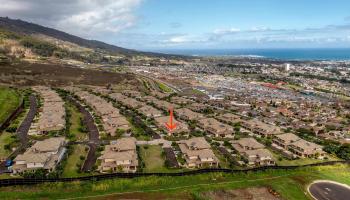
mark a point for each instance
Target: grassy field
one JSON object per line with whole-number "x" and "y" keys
{"x": 224, "y": 163}
{"x": 5, "y": 138}
{"x": 290, "y": 184}
{"x": 152, "y": 156}
{"x": 154, "y": 161}
{"x": 138, "y": 132}
{"x": 9, "y": 101}
{"x": 70, "y": 168}
{"x": 75, "y": 118}
{"x": 301, "y": 161}
{"x": 164, "y": 87}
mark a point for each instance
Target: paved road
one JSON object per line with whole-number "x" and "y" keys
{"x": 22, "y": 131}
{"x": 329, "y": 191}
{"x": 94, "y": 140}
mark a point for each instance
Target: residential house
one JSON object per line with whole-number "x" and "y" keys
{"x": 180, "y": 100}
{"x": 119, "y": 156}
{"x": 132, "y": 93}
{"x": 181, "y": 128}
{"x": 160, "y": 95}
{"x": 52, "y": 113}
{"x": 303, "y": 148}
{"x": 259, "y": 157}
{"x": 197, "y": 107}
{"x": 229, "y": 118}
{"x": 187, "y": 114}
{"x": 118, "y": 96}
{"x": 285, "y": 140}
{"x": 261, "y": 128}
{"x": 215, "y": 127}
{"x": 246, "y": 144}
{"x": 197, "y": 153}
{"x": 46, "y": 154}
{"x": 164, "y": 105}
{"x": 150, "y": 111}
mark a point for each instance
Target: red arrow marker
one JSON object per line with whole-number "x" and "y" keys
{"x": 171, "y": 125}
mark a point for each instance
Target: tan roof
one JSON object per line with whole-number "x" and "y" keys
{"x": 180, "y": 127}
{"x": 288, "y": 137}
{"x": 197, "y": 143}
{"x": 271, "y": 129}
{"x": 132, "y": 102}
{"x": 124, "y": 144}
{"x": 197, "y": 106}
{"x": 259, "y": 153}
{"x": 149, "y": 99}
{"x": 213, "y": 124}
{"x": 229, "y": 117}
{"x": 31, "y": 157}
{"x": 118, "y": 155}
{"x": 306, "y": 145}
{"x": 149, "y": 110}
{"x": 52, "y": 115}
{"x": 121, "y": 150}
{"x": 118, "y": 96}
{"x": 249, "y": 142}
{"x": 49, "y": 145}
{"x": 185, "y": 112}
{"x": 45, "y": 152}
{"x": 203, "y": 153}
{"x": 180, "y": 100}
{"x": 163, "y": 105}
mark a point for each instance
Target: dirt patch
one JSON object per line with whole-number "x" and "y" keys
{"x": 27, "y": 74}
{"x": 260, "y": 193}
{"x": 147, "y": 196}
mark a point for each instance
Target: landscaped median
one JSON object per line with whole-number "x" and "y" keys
{"x": 290, "y": 184}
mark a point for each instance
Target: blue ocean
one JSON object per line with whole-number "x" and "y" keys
{"x": 281, "y": 54}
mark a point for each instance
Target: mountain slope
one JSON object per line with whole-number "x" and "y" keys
{"x": 27, "y": 28}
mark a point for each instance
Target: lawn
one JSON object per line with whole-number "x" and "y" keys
{"x": 152, "y": 156}
{"x": 301, "y": 161}
{"x": 154, "y": 161}
{"x": 290, "y": 184}
{"x": 138, "y": 132}
{"x": 164, "y": 87}
{"x": 75, "y": 119}
{"x": 223, "y": 162}
{"x": 5, "y": 138}
{"x": 70, "y": 169}
{"x": 9, "y": 101}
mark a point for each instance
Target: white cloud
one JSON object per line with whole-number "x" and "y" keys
{"x": 82, "y": 17}
{"x": 226, "y": 31}
{"x": 183, "y": 39}
{"x": 179, "y": 39}
{"x": 258, "y": 29}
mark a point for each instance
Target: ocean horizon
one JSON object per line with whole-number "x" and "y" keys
{"x": 336, "y": 54}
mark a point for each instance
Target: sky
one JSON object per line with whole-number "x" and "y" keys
{"x": 194, "y": 24}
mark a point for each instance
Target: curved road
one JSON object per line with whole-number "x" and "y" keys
{"x": 22, "y": 131}
{"x": 326, "y": 190}
{"x": 93, "y": 136}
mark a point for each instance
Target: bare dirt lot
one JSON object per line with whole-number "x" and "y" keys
{"x": 261, "y": 193}
{"x": 146, "y": 196}
{"x": 27, "y": 74}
